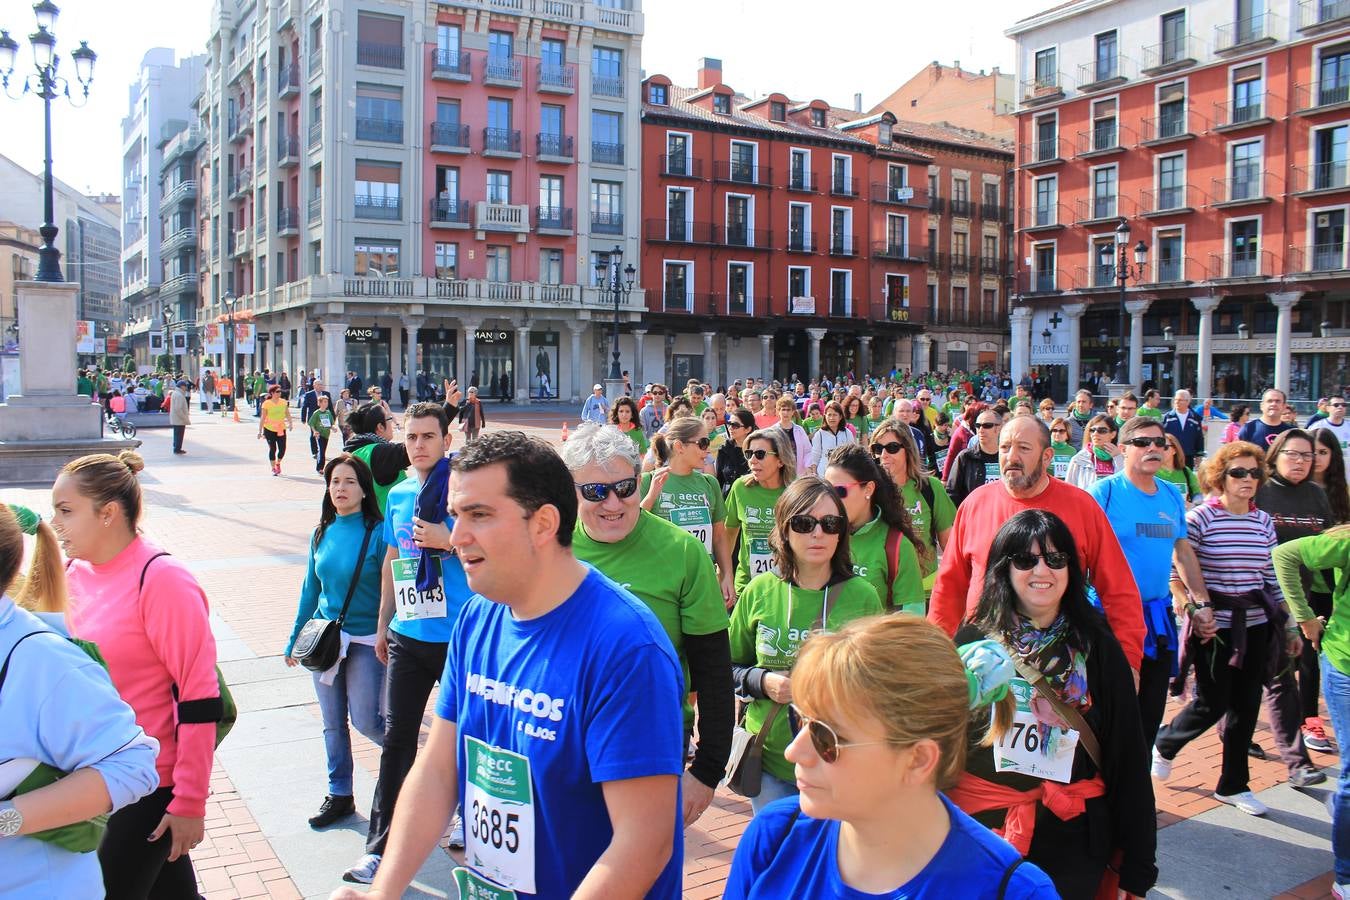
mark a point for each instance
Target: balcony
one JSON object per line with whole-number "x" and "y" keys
{"x": 240, "y": 183}
{"x": 1325, "y": 96}
{"x": 379, "y": 207}
{"x": 745, "y": 237}
{"x": 184, "y": 142}
{"x": 742, "y": 173}
{"x": 1329, "y": 257}
{"x": 553, "y": 220}
{"x": 994, "y": 267}
{"x": 606, "y": 153}
{"x": 285, "y": 14}
{"x": 385, "y": 131}
{"x": 288, "y": 222}
{"x": 961, "y": 207}
{"x": 555, "y": 148}
{"x": 843, "y": 245}
{"x": 1170, "y": 55}
{"x": 260, "y": 224}
{"x": 607, "y": 86}
{"x": 380, "y": 56}
{"x": 508, "y": 217}
{"x": 182, "y": 283}
{"x": 957, "y": 264}
{"x": 606, "y": 222}
{"x": 737, "y": 304}
{"x": 682, "y": 301}
{"x": 899, "y": 251}
{"x": 446, "y": 212}
{"x": 1095, "y": 210}
{"x": 1172, "y": 270}
{"x": 554, "y": 79}
{"x": 288, "y": 150}
{"x": 1171, "y": 200}
{"x": 243, "y": 242}
{"x": 900, "y": 195}
{"x": 315, "y": 134}
{"x": 288, "y": 81}
{"x": 843, "y": 186}
{"x": 498, "y": 72}
{"x": 802, "y": 182}
{"x": 1104, "y": 139}
{"x": 681, "y": 166}
{"x": 995, "y": 212}
{"x": 260, "y": 157}
{"x": 1322, "y": 177}
{"x": 1167, "y": 128}
{"x": 1247, "y": 34}
{"x": 1098, "y": 76}
{"x": 974, "y": 316}
{"x": 449, "y": 137}
{"x": 841, "y": 307}
{"x": 183, "y": 237}
{"x": 502, "y": 142}
{"x": 315, "y": 61}
{"x": 1321, "y": 15}
{"x": 1042, "y": 281}
{"x": 183, "y": 192}
{"x": 678, "y": 231}
{"x": 1246, "y": 184}
{"x": 315, "y": 210}
{"x": 936, "y": 204}
{"x": 1043, "y": 152}
{"x": 450, "y": 65}
{"x": 1044, "y": 217}
{"x": 1242, "y": 264}
{"x": 1230, "y": 116}
{"x": 1042, "y": 89}
{"x": 241, "y": 123}
{"x": 241, "y": 63}
{"x": 131, "y": 233}
{"x": 801, "y": 241}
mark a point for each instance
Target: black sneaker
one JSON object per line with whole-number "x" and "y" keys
{"x": 1305, "y": 777}
{"x": 333, "y": 809}
{"x": 1255, "y": 751}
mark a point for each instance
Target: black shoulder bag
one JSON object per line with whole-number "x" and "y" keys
{"x": 319, "y": 643}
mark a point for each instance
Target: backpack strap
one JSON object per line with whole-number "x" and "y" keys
{"x": 190, "y": 712}
{"x": 1007, "y": 877}
{"x": 4, "y": 670}
{"x": 792, "y": 821}
{"x": 893, "y": 538}
{"x": 926, "y": 489}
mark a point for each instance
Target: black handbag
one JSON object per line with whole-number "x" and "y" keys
{"x": 319, "y": 643}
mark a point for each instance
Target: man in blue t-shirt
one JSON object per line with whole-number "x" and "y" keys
{"x": 1148, "y": 516}
{"x": 1263, "y": 431}
{"x": 558, "y": 724}
{"x": 414, "y": 626}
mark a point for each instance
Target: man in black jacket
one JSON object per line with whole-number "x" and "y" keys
{"x": 978, "y": 463}
{"x": 309, "y": 402}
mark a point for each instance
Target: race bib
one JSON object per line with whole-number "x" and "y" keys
{"x": 1031, "y": 747}
{"x": 990, "y": 472}
{"x": 325, "y": 420}
{"x": 475, "y": 887}
{"x": 761, "y": 556}
{"x": 409, "y": 602}
{"x": 1061, "y": 466}
{"x": 697, "y": 520}
{"x": 499, "y": 809}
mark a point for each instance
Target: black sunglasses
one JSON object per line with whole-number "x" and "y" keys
{"x": 892, "y": 448}
{"x": 1102, "y": 429}
{"x": 702, "y": 443}
{"x": 759, "y": 454}
{"x": 984, "y": 425}
{"x": 598, "y": 491}
{"x": 1027, "y": 561}
{"x": 805, "y": 524}
{"x": 1240, "y": 472}
{"x": 1158, "y": 442}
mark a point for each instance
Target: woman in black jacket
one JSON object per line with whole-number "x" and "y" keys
{"x": 731, "y": 463}
{"x": 1078, "y": 804}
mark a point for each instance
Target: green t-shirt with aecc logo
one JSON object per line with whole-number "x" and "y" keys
{"x": 693, "y": 502}
{"x": 768, "y": 626}
{"x": 928, "y": 522}
{"x": 750, "y": 510}
{"x": 867, "y": 546}
{"x": 665, "y": 567}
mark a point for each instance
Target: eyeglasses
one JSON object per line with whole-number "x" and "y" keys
{"x": 598, "y": 491}
{"x": 806, "y": 524}
{"x": 824, "y": 740}
{"x": 1101, "y": 429}
{"x": 1158, "y": 442}
{"x": 1299, "y": 455}
{"x": 1025, "y": 562}
{"x": 891, "y": 447}
{"x": 1240, "y": 472}
{"x": 983, "y": 425}
{"x": 759, "y": 454}
{"x": 843, "y": 489}
{"x": 702, "y": 443}
{"x": 1059, "y": 431}
{"x": 1336, "y": 405}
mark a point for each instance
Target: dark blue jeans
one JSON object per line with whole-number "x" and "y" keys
{"x": 1336, "y": 692}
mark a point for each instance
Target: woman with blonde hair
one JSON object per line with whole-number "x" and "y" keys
{"x": 884, "y": 708}
{"x": 681, "y": 492}
{"x": 750, "y": 505}
{"x": 43, "y": 589}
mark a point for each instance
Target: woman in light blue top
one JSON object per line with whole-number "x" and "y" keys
{"x": 352, "y": 687}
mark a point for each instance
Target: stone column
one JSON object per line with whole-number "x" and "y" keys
{"x": 638, "y": 380}
{"x": 923, "y": 359}
{"x": 864, "y": 355}
{"x": 301, "y": 356}
{"x": 468, "y": 327}
{"x": 766, "y": 357}
{"x": 45, "y": 407}
{"x": 813, "y": 355}
{"x": 1020, "y": 319}
{"x": 575, "y": 328}
{"x": 335, "y": 354}
{"x": 1284, "y": 324}
{"x": 411, "y": 324}
{"x": 1204, "y": 356}
{"x": 709, "y": 361}
{"x": 1073, "y": 314}
{"x": 520, "y": 372}
{"x": 1136, "y": 309}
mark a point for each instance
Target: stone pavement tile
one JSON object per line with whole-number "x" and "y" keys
{"x": 1318, "y": 888}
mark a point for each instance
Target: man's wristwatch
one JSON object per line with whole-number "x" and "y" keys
{"x": 11, "y": 820}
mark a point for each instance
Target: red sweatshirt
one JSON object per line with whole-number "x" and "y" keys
{"x": 960, "y": 577}
{"x": 154, "y": 639}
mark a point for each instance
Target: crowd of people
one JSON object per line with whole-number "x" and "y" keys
{"x": 931, "y": 637}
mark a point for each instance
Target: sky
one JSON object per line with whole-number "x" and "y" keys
{"x": 804, "y": 49}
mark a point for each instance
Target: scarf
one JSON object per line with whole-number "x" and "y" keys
{"x": 1048, "y": 652}
{"x": 1080, "y": 419}
{"x": 430, "y": 507}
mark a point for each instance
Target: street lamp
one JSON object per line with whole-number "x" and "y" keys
{"x": 607, "y": 274}
{"x": 47, "y": 84}
{"x": 1113, "y": 259}
{"x": 230, "y": 300}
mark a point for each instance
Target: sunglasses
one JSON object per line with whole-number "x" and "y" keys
{"x": 804, "y": 524}
{"x": 983, "y": 425}
{"x": 1059, "y": 431}
{"x": 841, "y": 490}
{"x": 702, "y": 443}
{"x": 1025, "y": 562}
{"x": 1158, "y": 442}
{"x": 598, "y": 491}
{"x": 824, "y": 740}
{"x": 892, "y": 448}
{"x": 1101, "y": 429}
{"x": 759, "y": 454}
{"x": 1239, "y": 472}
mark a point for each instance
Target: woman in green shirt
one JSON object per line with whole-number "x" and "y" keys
{"x": 1059, "y": 442}
{"x": 814, "y": 588}
{"x": 624, "y": 415}
{"x": 923, "y": 496}
{"x": 680, "y": 491}
{"x": 1175, "y": 471}
{"x": 856, "y": 415}
{"x": 750, "y": 505}
{"x": 882, "y": 539}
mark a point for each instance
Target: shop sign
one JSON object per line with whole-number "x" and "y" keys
{"x": 491, "y": 337}
{"x": 1267, "y": 345}
{"x": 367, "y": 335}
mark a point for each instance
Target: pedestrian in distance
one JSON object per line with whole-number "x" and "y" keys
{"x": 274, "y": 425}
{"x": 321, "y": 423}
{"x": 472, "y": 416}
{"x": 596, "y": 407}
{"x": 180, "y": 414}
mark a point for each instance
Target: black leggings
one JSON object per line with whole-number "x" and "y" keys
{"x": 134, "y": 868}
{"x": 276, "y": 445}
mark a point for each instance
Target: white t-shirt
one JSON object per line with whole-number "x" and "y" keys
{"x": 1342, "y": 432}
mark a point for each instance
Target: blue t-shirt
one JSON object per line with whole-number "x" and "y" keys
{"x": 589, "y": 692}
{"x": 771, "y": 863}
{"x": 1147, "y": 527}
{"x": 398, "y": 515}
{"x": 1259, "y": 433}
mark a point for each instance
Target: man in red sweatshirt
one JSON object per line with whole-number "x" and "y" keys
{"x": 1024, "y": 456}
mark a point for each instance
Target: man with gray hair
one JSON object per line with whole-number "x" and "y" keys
{"x": 1186, "y": 426}
{"x": 669, "y": 570}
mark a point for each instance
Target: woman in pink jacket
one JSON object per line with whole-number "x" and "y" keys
{"x": 148, "y": 616}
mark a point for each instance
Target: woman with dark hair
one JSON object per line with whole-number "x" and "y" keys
{"x": 750, "y": 506}
{"x": 832, "y": 433}
{"x": 1238, "y": 414}
{"x": 923, "y": 496}
{"x": 1329, "y": 472}
{"x": 343, "y": 584}
{"x": 812, "y": 588}
{"x": 883, "y": 542}
{"x": 624, "y": 416}
{"x": 731, "y": 463}
{"x": 1175, "y": 471}
{"x": 1100, "y": 456}
{"x": 1069, "y": 787}
{"x": 855, "y": 416}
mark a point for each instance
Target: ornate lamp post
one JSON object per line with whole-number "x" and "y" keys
{"x": 230, "y": 300}
{"x": 1115, "y": 262}
{"x": 607, "y": 274}
{"x": 47, "y": 84}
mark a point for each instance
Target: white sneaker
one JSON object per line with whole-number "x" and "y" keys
{"x": 1162, "y": 766}
{"x": 1340, "y": 891}
{"x": 364, "y": 870}
{"x": 457, "y": 833}
{"x": 1245, "y": 801}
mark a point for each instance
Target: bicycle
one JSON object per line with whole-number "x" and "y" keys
{"x": 119, "y": 426}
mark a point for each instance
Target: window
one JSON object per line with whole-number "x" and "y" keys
{"x": 678, "y": 284}
{"x": 799, "y": 227}
{"x": 1249, "y": 21}
{"x": 933, "y": 307}
{"x": 1171, "y": 259}
{"x": 379, "y": 41}
{"x": 447, "y": 261}
{"x": 739, "y": 211}
{"x": 1244, "y": 248}
{"x": 379, "y": 113}
{"x": 376, "y": 194}
{"x": 501, "y": 61}
{"x": 551, "y": 123}
{"x": 1104, "y": 192}
{"x": 677, "y": 154}
{"x": 447, "y": 184}
{"x": 933, "y": 192}
{"x": 960, "y": 251}
{"x": 679, "y": 225}
{"x": 799, "y": 170}
{"x": 447, "y": 44}
{"x": 550, "y": 266}
{"x": 1046, "y": 190}
{"x": 607, "y": 71}
{"x": 606, "y": 137}
{"x": 498, "y": 114}
{"x": 897, "y": 179}
{"x": 743, "y": 162}
{"x": 1171, "y": 182}
{"x": 1245, "y": 159}
{"x": 799, "y": 281}
{"x": 841, "y": 231}
{"x": 1047, "y": 69}
{"x": 1105, "y": 64}
{"x": 656, "y": 95}
{"x": 990, "y": 253}
{"x": 1333, "y": 76}
{"x": 883, "y": 133}
{"x": 1328, "y": 240}
{"x": 990, "y": 210}
{"x": 841, "y": 292}
{"x": 550, "y": 198}
{"x": 1173, "y": 47}
{"x": 818, "y": 118}
{"x": 959, "y": 299}
{"x": 961, "y": 196}
{"x": 1047, "y": 138}
{"x": 376, "y": 259}
{"x": 840, "y": 170}
{"x": 1103, "y": 261}
{"x": 498, "y": 262}
{"x": 738, "y": 288}
{"x": 447, "y": 113}
{"x": 499, "y": 135}
{"x": 607, "y": 207}
{"x": 1248, "y": 94}
{"x": 1329, "y": 157}
{"x": 777, "y": 110}
{"x": 988, "y": 310}
{"x": 552, "y": 54}
{"x": 722, "y": 104}
{"x": 1172, "y": 110}
{"x": 498, "y": 187}
{"x": 1104, "y": 129}
{"x": 1043, "y": 268}
{"x": 897, "y": 236}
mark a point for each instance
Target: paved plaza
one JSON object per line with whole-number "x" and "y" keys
{"x": 244, "y": 533}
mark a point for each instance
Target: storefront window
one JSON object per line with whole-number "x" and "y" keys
{"x": 494, "y": 363}
{"x": 543, "y": 365}
{"x": 367, "y": 356}
{"x": 437, "y": 357}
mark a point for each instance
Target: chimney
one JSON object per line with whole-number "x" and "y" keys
{"x": 857, "y": 103}
{"x": 709, "y": 72}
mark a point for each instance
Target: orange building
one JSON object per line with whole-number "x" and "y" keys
{"x": 951, "y": 95}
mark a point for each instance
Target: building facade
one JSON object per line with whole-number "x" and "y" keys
{"x": 1218, "y": 134}
{"x": 951, "y": 95}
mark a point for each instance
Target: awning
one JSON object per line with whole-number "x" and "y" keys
{"x": 242, "y": 315}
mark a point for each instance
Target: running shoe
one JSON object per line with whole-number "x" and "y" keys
{"x": 1162, "y": 766}
{"x": 334, "y": 808}
{"x": 1340, "y": 891}
{"x": 457, "y": 833}
{"x": 1315, "y": 736}
{"x": 1245, "y": 801}
{"x": 364, "y": 870}
{"x": 1306, "y": 776}
{"x": 1256, "y": 751}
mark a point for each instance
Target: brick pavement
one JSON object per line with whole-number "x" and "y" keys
{"x": 245, "y": 532}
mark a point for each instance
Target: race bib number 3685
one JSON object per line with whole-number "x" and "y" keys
{"x": 499, "y": 815}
